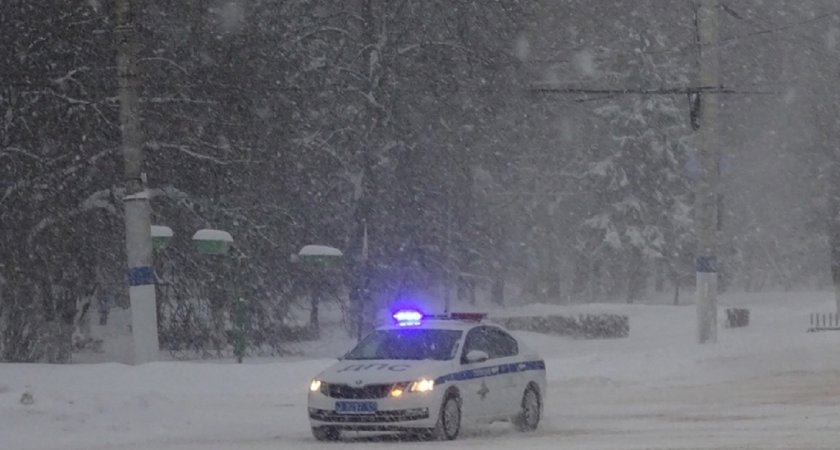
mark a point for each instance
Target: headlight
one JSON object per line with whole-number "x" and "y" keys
{"x": 315, "y": 385}
{"x": 397, "y": 390}
{"x": 422, "y": 385}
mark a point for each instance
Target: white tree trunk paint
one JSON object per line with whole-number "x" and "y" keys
{"x": 141, "y": 290}
{"x": 143, "y": 324}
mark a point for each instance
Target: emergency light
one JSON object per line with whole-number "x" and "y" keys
{"x": 411, "y": 317}
{"x": 407, "y": 317}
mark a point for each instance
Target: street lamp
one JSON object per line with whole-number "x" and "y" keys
{"x": 161, "y": 236}
{"x": 211, "y": 242}
{"x": 218, "y": 242}
{"x": 317, "y": 258}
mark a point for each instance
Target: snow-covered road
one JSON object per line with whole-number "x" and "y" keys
{"x": 795, "y": 410}
{"x": 769, "y": 386}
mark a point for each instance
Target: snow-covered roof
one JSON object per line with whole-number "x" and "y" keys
{"x": 161, "y": 231}
{"x": 319, "y": 250}
{"x": 142, "y": 195}
{"x": 212, "y": 235}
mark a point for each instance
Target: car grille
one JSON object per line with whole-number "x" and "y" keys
{"x": 402, "y": 415}
{"x": 369, "y": 391}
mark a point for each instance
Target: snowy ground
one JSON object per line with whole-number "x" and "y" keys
{"x": 768, "y": 386}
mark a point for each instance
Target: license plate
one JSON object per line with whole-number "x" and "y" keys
{"x": 355, "y": 407}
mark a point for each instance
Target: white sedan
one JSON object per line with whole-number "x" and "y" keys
{"x": 426, "y": 375}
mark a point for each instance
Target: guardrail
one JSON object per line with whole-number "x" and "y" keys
{"x": 824, "y": 322}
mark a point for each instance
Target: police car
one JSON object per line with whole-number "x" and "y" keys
{"x": 427, "y": 375}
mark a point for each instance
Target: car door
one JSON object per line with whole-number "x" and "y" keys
{"x": 510, "y": 384}
{"x": 480, "y": 386}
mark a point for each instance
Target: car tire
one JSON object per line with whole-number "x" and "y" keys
{"x": 449, "y": 419}
{"x": 529, "y": 416}
{"x": 326, "y": 433}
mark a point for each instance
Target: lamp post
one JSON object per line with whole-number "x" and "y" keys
{"x": 317, "y": 258}
{"x": 218, "y": 242}
{"x": 212, "y": 242}
{"x": 161, "y": 236}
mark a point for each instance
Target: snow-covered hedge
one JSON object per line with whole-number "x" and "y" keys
{"x": 586, "y": 326}
{"x": 737, "y": 317}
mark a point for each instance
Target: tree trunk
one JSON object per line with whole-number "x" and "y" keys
{"x": 659, "y": 277}
{"x": 594, "y": 276}
{"x": 835, "y": 272}
{"x": 835, "y": 246}
{"x": 676, "y": 292}
{"x": 834, "y": 227}
{"x": 553, "y": 273}
{"x": 314, "y": 297}
{"x": 675, "y": 278}
{"x": 497, "y": 291}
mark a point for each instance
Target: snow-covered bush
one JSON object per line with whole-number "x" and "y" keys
{"x": 737, "y": 317}
{"x": 585, "y": 326}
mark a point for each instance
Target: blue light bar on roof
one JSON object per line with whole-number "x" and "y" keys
{"x": 407, "y": 317}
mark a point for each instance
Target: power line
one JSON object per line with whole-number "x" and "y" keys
{"x": 610, "y": 93}
{"x": 819, "y": 45}
{"x": 776, "y": 28}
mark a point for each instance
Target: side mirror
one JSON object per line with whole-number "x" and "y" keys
{"x": 477, "y": 356}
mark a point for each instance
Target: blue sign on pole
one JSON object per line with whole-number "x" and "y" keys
{"x": 706, "y": 264}
{"x": 694, "y": 170}
{"x": 141, "y": 276}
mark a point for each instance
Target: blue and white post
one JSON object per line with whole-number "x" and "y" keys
{"x": 707, "y": 187}
{"x": 138, "y": 240}
{"x": 141, "y": 279}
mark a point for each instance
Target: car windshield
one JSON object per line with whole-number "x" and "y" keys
{"x": 418, "y": 344}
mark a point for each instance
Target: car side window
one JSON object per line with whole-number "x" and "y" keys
{"x": 476, "y": 340}
{"x": 493, "y": 341}
{"x": 501, "y": 344}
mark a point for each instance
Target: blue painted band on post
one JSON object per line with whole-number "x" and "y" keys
{"x": 706, "y": 264}
{"x": 141, "y": 276}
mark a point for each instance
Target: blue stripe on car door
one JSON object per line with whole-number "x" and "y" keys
{"x": 488, "y": 371}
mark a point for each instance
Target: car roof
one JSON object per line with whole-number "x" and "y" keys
{"x": 436, "y": 324}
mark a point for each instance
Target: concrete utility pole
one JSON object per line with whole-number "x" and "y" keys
{"x": 704, "y": 106}
{"x": 705, "y": 206}
{"x": 138, "y": 240}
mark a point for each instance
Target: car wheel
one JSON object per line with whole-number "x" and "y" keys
{"x": 529, "y": 416}
{"x": 326, "y": 433}
{"x": 449, "y": 419}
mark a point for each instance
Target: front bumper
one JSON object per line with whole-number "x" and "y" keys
{"x": 413, "y": 411}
